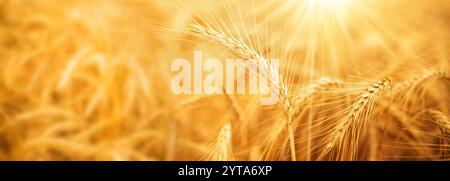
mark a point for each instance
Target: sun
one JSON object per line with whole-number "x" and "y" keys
{"x": 321, "y": 7}
{"x": 332, "y": 5}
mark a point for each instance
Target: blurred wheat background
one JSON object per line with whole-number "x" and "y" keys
{"x": 90, "y": 80}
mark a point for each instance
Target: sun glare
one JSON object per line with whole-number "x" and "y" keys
{"x": 330, "y": 5}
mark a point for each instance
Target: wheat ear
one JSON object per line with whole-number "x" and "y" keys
{"x": 351, "y": 125}
{"x": 444, "y": 125}
{"x": 248, "y": 53}
{"x": 224, "y": 144}
{"x": 442, "y": 120}
{"x": 426, "y": 75}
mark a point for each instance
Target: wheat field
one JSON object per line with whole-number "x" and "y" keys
{"x": 359, "y": 80}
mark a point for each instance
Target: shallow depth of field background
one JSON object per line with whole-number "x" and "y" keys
{"x": 90, "y": 80}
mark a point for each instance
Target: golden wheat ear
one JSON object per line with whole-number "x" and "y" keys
{"x": 415, "y": 81}
{"x": 441, "y": 119}
{"x": 248, "y": 53}
{"x": 222, "y": 149}
{"x": 344, "y": 140}
{"x": 227, "y": 41}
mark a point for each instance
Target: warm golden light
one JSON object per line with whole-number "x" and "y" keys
{"x": 331, "y": 4}
{"x": 322, "y": 5}
{"x": 353, "y": 80}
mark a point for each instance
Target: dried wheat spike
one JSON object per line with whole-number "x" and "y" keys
{"x": 442, "y": 120}
{"x": 444, "y": 125}
{"x": 240, "y": 48}
{"x": 247, "y": 53}
{"x": 426, "y": 75}
{"x": 224, "y": 152}
{"x": 354, "y": 124}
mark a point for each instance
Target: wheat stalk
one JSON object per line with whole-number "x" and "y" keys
{"x": 351, "y": 125}
{"x": 247, "y": 53}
